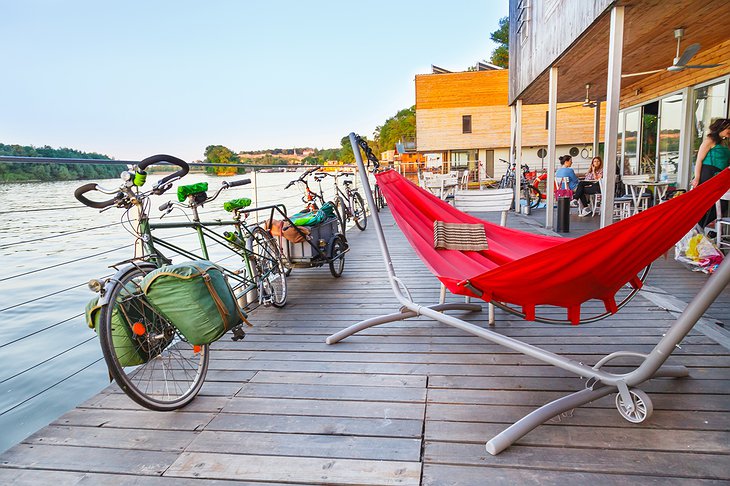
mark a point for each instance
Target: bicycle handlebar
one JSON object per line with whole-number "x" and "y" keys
{"x": 242, "y": 182}
{"x": 160, "y": 187}
{"x": 301, "y": 178}
{"x": 79, "y": 195}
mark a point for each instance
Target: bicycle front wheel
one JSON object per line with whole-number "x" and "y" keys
{"x": 358, "y": 212}
{"x": 147, "y": 357}
{"x": 271, "y": 272}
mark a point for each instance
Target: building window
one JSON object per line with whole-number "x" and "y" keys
{"x": 523, "y": 20}
{"x": 466, "y": 124}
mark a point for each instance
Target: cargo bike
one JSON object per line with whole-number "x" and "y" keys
{"x": 155, "y": 319}
{"x": 316, "y": 245}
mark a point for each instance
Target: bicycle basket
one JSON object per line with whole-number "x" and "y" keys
{"x": 196, "y": 298}
{"x": 131, "y": 350}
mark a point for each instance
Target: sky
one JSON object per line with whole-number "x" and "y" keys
{"x": 134, "y": 78}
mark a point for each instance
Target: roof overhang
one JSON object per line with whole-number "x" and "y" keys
{"x": 649, "y": 44}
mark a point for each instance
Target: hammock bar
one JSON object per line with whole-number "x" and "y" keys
{"x": 599, "y": 382}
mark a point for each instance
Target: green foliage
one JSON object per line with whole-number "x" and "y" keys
{"x": 401, "y": 127}
{"x": 53, "y": 171}
{"x": 218, "y": 154}
{"x": 500, "y": 56}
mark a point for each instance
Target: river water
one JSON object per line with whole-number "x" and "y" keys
{"x": 50, "y": 246}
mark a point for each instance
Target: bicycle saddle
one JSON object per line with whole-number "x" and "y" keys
{"x": 347, "y": 182}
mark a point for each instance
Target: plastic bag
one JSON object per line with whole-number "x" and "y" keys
{"x": 697, "y": 252}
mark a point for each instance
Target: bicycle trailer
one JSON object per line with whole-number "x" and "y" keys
{"x": 196, "y": 298}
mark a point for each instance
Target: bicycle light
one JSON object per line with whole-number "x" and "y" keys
{"x": 96, "y": 285}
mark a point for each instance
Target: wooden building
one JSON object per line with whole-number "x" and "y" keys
{"x": 463, "y": 120}
{"x": 662, "y": 67}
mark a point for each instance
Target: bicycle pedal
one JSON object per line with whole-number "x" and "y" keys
{"x": 238, "y": 333}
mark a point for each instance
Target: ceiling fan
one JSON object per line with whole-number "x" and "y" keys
{"x": 680, "y": 62}
{"x": 587, "y": 103}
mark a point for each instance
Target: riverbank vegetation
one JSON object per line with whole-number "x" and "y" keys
{"x": 53, "y": 171}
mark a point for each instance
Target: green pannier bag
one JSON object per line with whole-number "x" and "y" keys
{"x": 130, "y": 350}
{"x": 196, "y": 298}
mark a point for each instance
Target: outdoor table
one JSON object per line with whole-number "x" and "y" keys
{"x": 441, "y": 185}
{"x": 638, "y": 188}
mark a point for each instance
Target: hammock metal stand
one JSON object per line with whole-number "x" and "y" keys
{"x": 632, "y": 403}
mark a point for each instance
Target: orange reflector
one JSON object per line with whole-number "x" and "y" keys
{"x": 196, "y": 349}
{"x": 138, "y": 328}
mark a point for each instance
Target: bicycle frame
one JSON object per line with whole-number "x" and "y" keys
{"x": 247, "y": 281}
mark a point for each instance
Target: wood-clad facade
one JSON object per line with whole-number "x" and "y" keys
{"x": 658, "y": 117}
{"x": 443, "y": 100}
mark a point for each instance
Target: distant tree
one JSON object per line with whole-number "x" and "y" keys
{"x": 53, "y": 171}
{"x": 218, "y": 154}
{"x": 400, "y": 127}
{"x": 500, "y": 56}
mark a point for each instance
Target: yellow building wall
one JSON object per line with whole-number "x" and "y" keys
{"x": 441, "y": 128}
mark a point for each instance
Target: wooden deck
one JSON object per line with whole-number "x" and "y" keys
{"x": 405, "y": 403}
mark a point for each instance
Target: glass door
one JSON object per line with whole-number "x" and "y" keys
{"x": 649, "y": 121}
{"x": 630, "y": 164}
{"x": 670, "y": 124}
{"x": 708, "y": 103}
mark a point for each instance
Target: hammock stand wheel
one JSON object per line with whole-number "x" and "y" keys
{"x": 587, "y": 320}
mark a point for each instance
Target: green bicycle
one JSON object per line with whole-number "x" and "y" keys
{"x": 147, "y": 356}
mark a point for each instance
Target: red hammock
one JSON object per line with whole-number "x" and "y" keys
{"x": 529, "y": 270}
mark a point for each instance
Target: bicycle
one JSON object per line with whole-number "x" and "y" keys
{"x": 380, "y": 202}
{"x": 349, "y": 203}
{"x": 173, "y": 370}
{"x": 529, "y": 183}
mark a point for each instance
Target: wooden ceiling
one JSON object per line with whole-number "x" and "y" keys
{"x": 649, "y": 43}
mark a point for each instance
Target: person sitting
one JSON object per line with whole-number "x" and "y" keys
{"x": 589, "y": 185}
{"x": 565, "y": 171}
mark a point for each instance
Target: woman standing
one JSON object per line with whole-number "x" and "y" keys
{"x": 712, "y": 157}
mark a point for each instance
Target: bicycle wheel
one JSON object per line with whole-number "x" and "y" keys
{"x": 358, "y": 212}
{"x": 271, "y": 272}
{"x": 341, "y": 210}
{"x": 377, "y": 197}
{"x": 147, "y": 357}
{"x": 535, "y": 197}
{"x": 338, "y": 245}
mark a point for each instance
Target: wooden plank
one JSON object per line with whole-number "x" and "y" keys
{"x": 142, "y": 419}
{"x": 34, "y": 477}
{"x": 662, "y": 401}
{"x": 94, "y": 459}
{"x": 373, "y": 393}
{"x": 596, "y": 436}
{"x": 447, "y": 475}
{"x": 656, "y": 463}
{"x": 584, "y": 417}
{"x": 295, "y": 469}
{"x": 136, "y": 439}
{"x": 327, "y": 408}
{"x": 308, "y": 445}
{"x": 292, "y": 424}
{"x": 350, "y": 379}
{"x": 562, "y": 384}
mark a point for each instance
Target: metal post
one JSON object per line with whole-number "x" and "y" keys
{"x": 255, "y": 194}
{"x": 518, "y": 153}
{"x": 596, "y": 128}
{"x": 512, "y": 159}
{"x": 613, "y": 95}
{"x": 376, "y": 217}
{"x": 552, "y": 127}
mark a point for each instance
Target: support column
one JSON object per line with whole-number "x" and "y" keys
{"x": 596, "y": 128}
{"x": 551, "y": 152}
{"x": 518, "y": 153}
{"x": 613, "y": 95}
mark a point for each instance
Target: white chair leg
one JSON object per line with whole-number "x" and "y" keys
{"x": 442, "y": 297}
{"x": 491, "y": 314}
